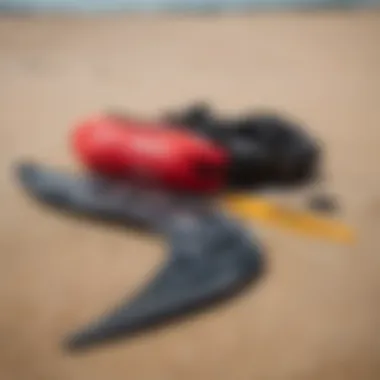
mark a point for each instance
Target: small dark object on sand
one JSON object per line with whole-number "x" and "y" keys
{"x": 323, "y": 203}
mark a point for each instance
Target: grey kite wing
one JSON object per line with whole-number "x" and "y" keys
{"x": 210, "y": 256}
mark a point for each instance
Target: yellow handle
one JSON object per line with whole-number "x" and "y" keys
{"x": 249, "y": 207}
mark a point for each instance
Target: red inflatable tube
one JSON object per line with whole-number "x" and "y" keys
{"x": 150, "y": 153}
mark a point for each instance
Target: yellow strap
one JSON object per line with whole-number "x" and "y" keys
{"x": 308, "y": 223}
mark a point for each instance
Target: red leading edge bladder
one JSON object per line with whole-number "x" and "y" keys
{"x": 153, "y": 153}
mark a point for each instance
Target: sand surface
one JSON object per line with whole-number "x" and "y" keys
{"x": 315, "y": 315}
